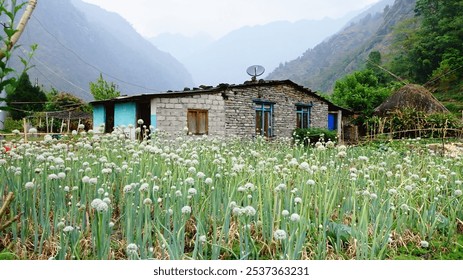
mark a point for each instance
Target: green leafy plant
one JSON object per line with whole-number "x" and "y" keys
{"x": 9, "y": 125}
{"x": 6, "y": 255}
{"x": 25, "y": 99}
{"x": 9, "y": 11}
{"x": 408, "y": 122}
{"x": 102, "y": 89}
{"x": 313, "y": 135}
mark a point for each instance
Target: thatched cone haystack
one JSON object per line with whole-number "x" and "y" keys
{"x": 411, "y": 96}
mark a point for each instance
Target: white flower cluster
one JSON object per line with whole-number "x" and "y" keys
{"x": 202, "y": 239}
{"x": 310, "y": 182}
{"x": 143, "y": 187}
{"x": 186, "y": 209}
{"x": 405, "y": 207}
{"x": 319, "y": 146}
{"x": 60, "y": 225}
{"x": 247, "y": 211}
{"x": 192, "y": 191}
{"x": 88, "y": 180}
{"x": 132, "y": 249}
{"x": 281, "y": 187}
{"x": 279, "y": 234}
{"x": 424, "y": 244}
{"x": 29, "y": 185}
{"x": 304, "y": 166}
{"x": 295, "y": 217}
{"x": 342, "y": 151}
{"x": 249, "y": 186}
{"x": 68, "y": 229}
{"x": 189, "y": 181}
{"x": 457, "y": 192}
{"x": 127, "y": 188}
{"x": 99, "y": 205}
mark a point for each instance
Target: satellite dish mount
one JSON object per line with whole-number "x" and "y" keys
{"x": 254, "y": 71}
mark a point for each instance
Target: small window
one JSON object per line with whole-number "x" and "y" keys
{"x": 197, "y": 121}
{"x": 264, "y": 118}
{"x": 303, "y": 115}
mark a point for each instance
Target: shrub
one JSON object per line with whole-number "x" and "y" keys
{"x": 9, "y": 125}
{"x": 443, "y": 120}
{"x": 411, "y": 123}
{"x": 313, "y": 135}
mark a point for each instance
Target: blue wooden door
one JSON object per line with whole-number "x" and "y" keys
{"x": 332, "y": 121}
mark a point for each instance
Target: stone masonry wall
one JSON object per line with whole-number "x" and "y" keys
{"x": 240, "y": 109}
{"x": 171, "y": 113}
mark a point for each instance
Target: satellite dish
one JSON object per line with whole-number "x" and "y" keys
{"x": 255, "y": 71}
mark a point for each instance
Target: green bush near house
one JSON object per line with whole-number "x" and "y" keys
{"x": 313, "y": 135}
{"x": 9, "y": 125}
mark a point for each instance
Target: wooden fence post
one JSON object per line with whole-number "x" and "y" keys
{"x": 69, "y": 121}
{"x": 46, "y": 120}
{"x": 25, "y": 129}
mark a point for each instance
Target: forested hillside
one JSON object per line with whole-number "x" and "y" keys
{"x": 428, "y": 50}
{"x": 424, "y": 50}
{"x": 347, "y": 50}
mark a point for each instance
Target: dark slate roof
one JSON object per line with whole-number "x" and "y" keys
{"x": 211, "y": 89}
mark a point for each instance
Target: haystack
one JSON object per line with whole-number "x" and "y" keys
{"x": 411, "y": 96}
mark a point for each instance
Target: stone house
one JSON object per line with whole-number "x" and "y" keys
{"x": 268, "y": 108}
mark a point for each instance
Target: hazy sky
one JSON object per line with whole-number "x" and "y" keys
{"x": 218, "y": 17}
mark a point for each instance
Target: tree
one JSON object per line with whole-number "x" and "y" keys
{"x": 374, "y": 62}
{"x": 25, "y": 99}
{"x": 438, "y": 48}
{"x": 102, "y": 90}
{"x": 360, "y": 91}
{"x": 9, "y": 11}
{"x": 64, "y": 106}
{"x": 405, "y": 38}
{"x": 429, "y": 46}
{"x": 64, "y": 101}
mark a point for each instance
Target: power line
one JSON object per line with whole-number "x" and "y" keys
{"x": 387, "y": 71}
{"x": 29, "y": 111}
{"x": 38, "y": 69}
{"x": 89, "y": 64}
{"x": 443, "y": 75}
{"x": 52, "y": 71}
{"x": 71, "y": 105}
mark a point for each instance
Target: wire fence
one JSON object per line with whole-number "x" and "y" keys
{"x": 32, "y": 133}
{"x": 417, "y": 133}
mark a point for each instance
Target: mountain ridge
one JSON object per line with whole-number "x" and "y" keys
{"x": 347, "y": 50}
{"x": 225, "y": 60}
{"x": 75, "y": 46}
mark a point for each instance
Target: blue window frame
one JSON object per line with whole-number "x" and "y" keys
{"x": 264, "y": 117}
{"x": 303, "y": 115}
